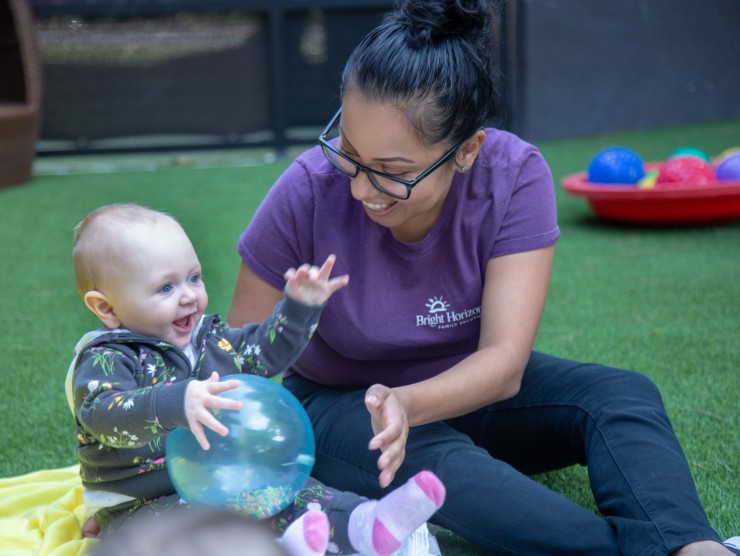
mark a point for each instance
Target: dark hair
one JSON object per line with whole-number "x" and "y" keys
{"x": 433, "y": 59}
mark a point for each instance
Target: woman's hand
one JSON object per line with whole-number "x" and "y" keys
{"x": 391, "y": 428}
{"x": 200, "y": 397}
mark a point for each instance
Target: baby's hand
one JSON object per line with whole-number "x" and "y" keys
{"x": 311, "y": 285}
{"x": 200, "y": 398}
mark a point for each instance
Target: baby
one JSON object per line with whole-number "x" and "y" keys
{"x": 155, "y": 366}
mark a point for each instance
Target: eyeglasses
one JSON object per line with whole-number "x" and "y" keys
{"x": 392, "y": 186}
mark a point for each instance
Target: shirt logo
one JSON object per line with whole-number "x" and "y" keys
{"x": 437, "y": 304}
{"x": 440, "y": 316}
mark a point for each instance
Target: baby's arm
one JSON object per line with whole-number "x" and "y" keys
{"x": 270, "y": 347}
{"x": 116, "y": 403}
{"x": 311, "y": 285}
{"x": 119, "y": 411}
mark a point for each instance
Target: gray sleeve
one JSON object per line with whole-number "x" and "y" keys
{"x": 116, "y": 409}
{"x": 269, "y": 348}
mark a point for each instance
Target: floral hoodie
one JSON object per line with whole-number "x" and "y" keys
{"x": 127, "y": 391}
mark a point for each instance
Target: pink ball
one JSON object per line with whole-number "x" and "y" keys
{"x": 685, "y": 170}
{"x": 729, "y": 168}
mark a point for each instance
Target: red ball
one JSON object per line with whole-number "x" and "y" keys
{"x": 685, "y": 170}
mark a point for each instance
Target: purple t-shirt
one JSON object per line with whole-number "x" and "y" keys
{"x": 411, "y": 310}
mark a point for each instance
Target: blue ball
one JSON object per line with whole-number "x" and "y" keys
{"x": 259, "y": 467}
{"x": 616, "y": 165}
{"x": 729, "y": 168}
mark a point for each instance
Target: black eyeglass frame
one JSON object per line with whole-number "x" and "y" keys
{"x": 409, "y": 184}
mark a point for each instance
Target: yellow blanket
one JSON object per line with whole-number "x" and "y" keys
{"x": 41, "y": 514}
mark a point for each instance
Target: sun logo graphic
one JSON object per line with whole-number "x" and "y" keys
{"x": 437, "y": 304}
{"x": 440, "y": 316}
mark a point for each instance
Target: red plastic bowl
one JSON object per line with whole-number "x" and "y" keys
{"x": 671, "y": 204}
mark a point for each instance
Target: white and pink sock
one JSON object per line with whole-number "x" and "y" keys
{"x": 308, "y": 535}
{"x": 379, "y": 527}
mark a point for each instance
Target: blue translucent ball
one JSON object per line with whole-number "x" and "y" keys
{"x": 616, "y": 165}
{"x": 259, "y": 467}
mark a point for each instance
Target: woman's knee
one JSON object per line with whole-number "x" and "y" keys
{"x": 566, "y": 380}
{"x": 628, "y": 399}
{"x": 602, "y": 392}
{"x": 635, "y": 386}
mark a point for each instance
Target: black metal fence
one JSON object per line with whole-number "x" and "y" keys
{"x": 176, "y": 74}
{"x": 132, "y": 75}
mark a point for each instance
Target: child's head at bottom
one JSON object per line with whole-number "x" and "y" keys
{"x": 190, "y": 532}
{"x": 137, "y": 269}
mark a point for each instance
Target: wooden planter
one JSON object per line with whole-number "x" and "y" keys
{"x": 20, "y": 91}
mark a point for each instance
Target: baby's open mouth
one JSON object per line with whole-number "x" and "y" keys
{"x": 182, "y": 323}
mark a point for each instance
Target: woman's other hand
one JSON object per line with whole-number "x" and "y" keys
{"x": 391, "y": 428}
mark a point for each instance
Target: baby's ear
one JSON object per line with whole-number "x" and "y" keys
{"x": 98, "y": 303}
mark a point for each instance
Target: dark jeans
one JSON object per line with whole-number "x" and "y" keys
{"x": 566, "y": 413}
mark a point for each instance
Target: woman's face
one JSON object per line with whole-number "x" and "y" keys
{"x": 378, "y": 135}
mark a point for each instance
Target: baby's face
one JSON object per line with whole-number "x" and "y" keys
{"x": 158, "y": 289}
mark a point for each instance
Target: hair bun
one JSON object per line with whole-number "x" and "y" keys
{"x": 429, "y": 22}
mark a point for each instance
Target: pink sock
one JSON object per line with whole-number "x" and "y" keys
{"x": 378, "y": 528}
{"x": 308, "y": 535}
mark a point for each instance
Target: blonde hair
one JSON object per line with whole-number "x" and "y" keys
{"x": 100, "y": 241}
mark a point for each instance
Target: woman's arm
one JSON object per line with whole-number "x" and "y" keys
{"x": 513, "y": 301}
{"x": 254, "y": 299}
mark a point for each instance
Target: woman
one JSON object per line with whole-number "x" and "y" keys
{"x": 447, "y": 231}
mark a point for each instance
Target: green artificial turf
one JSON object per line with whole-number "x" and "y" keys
{"x": 663, "y": 301}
